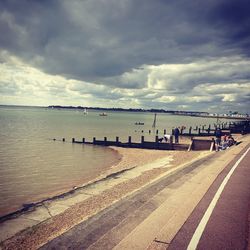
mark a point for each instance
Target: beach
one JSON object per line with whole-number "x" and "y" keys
{"x": 137, "y": 168}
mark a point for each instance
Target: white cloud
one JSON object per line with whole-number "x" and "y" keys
{"x": 183, "y": 86}
{"x": 166, "y": 99}
{"x": 229, "y": 98}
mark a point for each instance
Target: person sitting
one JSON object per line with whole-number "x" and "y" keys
{"x": 231, "y": 140}
{"x": 224, "y": 144}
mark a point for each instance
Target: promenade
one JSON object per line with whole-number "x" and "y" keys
{"x": 176, "y": 211}
{"x": 167, "y": 213}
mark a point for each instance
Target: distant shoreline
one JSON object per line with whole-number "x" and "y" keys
{"x": 219, "y": 117}
{"x": 172, "y": 112}
{"x": 201, "y": 114}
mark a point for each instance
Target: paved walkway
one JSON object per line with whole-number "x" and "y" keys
{"x": 166, "y": 213}
{"x": 228, "y": 225}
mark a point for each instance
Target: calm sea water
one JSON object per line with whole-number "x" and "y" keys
{"x": 33, "y": 166}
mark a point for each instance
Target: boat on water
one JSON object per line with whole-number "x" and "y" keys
{"x": 103, "y": 114}
{"x": 85, "y": 112}
{"x": 139, "y": 123}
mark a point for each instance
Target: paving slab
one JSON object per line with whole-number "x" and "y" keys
{"x": 11, "y": 227}
{"x": 55, "y": 208}
{"x": 40, "y": 214}
{"x": 135, "y": 217}
{"x": 169, "y": 210}
{"x": 71, "y": 200}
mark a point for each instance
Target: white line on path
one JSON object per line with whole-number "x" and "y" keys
{"x": 199, "y": 230}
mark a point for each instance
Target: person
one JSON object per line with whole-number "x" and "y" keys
{"x": 176, "y": 135}
{"x": 224, "y": 143}
{"x": 167, "y": 138}
{"x": 217, "y": 134}
{"x": 231, "y": 140}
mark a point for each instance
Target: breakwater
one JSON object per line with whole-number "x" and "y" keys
{"x": 194, "y": 144}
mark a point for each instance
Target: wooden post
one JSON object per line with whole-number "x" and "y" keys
{"x": 73, "y": 140}
{"x": 93, "y": 140}
{"x": 190, "y": 145}
{"x": 105, "y": 140}
{"x": 165, "y": 131}
{"x": 171, "y": 140}
{"x": 63, "y": 139}
{"x": 83, "y": 140}
{"x": 190, "y": 130}
{"x": 117, "y": 139}
{"x": 129, "y": 139}
{"x": 142, "y": 139}
{"x": 208, "y": 130}
{"x": 199, "y": 131}
{"x": 212, "y": 145}
{"x": 156, "y": 139}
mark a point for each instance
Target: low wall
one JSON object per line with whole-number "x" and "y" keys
{"x": 202, "y": 144}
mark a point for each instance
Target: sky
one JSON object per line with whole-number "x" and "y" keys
{"x": 164, "y": 54}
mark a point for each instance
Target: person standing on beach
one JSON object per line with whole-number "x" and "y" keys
{"x": 176, "y": 135}
{"x": 217, "y": 134}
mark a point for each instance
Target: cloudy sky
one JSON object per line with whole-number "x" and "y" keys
{"x": 175, "y": 55}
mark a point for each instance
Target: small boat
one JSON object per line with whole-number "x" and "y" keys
{"x": 139, "y": 123}
{"x": 103, "y": 114}
{"x": 85, "y": 112}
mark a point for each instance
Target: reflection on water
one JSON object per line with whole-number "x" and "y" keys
{"x": 33, "y": 166}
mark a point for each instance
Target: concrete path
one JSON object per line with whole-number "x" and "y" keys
{"x": 166, "y": 213}
{"x": 228, "y": 225}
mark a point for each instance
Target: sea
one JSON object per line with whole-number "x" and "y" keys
{"x": 36, "y": 164}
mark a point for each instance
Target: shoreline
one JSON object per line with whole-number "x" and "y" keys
{"x": 84, "y": 202}
{"x": 129, "y": 158}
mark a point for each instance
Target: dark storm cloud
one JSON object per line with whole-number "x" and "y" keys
{"x": 149, "y": 53}
{"x": 91, "y": 40}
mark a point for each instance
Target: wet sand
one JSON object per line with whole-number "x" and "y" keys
{"x": 41, "y": 233}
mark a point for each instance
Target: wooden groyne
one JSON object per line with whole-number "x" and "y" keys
{"x": 195, "y": 135}
{"x": 242, "y": 127}
{"x": 156, "y": 144}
